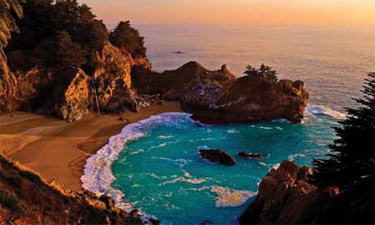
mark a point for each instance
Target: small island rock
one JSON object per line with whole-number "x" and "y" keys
{"x": 219, "y": 156}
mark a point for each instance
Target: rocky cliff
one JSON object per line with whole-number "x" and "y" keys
{"x": 26, "y": 199}
{"x": 69, "y": 93}
{"x": 218, "y": 97}
{"x": 285, "y": 196}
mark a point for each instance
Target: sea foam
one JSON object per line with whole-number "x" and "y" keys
{"x": 98, "y": 177}
{"x": 323, "y": 110}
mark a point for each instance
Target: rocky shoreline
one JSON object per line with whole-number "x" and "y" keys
{"x": 121, "y": 84}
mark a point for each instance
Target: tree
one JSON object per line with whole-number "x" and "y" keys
{"x": 264, "y": 72}
{"x": 69, "y": 53}
{"x": 85, "y": 13}
{"x": 127, "y": 38}
{"x": 351, "y": 161}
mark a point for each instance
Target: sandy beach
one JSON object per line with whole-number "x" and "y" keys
{"x": 57, "y": 150}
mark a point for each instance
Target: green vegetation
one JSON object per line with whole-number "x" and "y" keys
{"x": 127, "y": 38}
{"x": 69, "y": 53}
{"x": 264, "y": 72}
{"x": 352, "y": 159}
{"x": 63, "y": 33}
{"x": 351, "y": 164}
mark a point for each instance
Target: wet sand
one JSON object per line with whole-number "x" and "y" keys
{"x": 58, "y": 150}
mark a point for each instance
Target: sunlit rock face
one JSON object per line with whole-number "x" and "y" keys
{"x": 8, "y": 82}
{"x": 284, "y": 197}
{"x": 113, "y": 81}
{"x": 68, "y": 92}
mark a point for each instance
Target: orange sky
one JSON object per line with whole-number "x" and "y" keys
{"x": 327, "y": 12}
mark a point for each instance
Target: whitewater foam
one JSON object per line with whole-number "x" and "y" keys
{"x": 231, "y": 198}
{"x": 323, "y": 110}
{"x": 98, "y": 177}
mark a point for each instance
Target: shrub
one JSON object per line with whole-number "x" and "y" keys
{"x": 127, "y": 38}
{"x": 264, "y": 72}
{"x": 9, "y": 202}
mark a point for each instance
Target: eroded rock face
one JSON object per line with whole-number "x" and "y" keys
{"x": 73, "y": 102}
{"x": 113, "y": 81}
{"x": 285, "y": 197}
{"x": 69, "y": 93}
{"x": 175, "y": 84}
{"x": 217, "y": 97}
{"x": 218, "y": 156}
{"x": 252, "y": 100}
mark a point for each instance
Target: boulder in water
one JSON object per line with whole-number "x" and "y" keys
{"x": 219, "y": 156}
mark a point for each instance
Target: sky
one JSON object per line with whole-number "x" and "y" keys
{"x": 283, "y": 12}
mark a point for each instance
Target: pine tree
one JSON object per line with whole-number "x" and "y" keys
{"x": 69, "y": 53}
{"x": 351, "y": 162}
{"x": 127, "y": 38}
{"x": 264, "y": 72}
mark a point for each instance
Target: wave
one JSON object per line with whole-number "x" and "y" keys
{"x": 165, "y": 137}
{"x": 231, "y": 198}
{"x": 323, "y": 110}
{"x": 98, "y": 177}
{"x": 186, "y": 180}
{"x": 292, "y": 157}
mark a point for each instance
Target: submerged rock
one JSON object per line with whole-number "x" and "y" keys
{"x": 218, "y": 156}
{"x": 250, "y": 155}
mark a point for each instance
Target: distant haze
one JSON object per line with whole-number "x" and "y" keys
{"x": 284, "y": 12}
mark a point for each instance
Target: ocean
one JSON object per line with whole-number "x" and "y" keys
{"x": 153, "y": 164}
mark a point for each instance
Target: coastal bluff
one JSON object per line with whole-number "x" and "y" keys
{"x": 25, "y": 198}
{"x": 218, "y": 97}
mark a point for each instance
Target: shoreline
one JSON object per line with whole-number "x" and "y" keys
{"x": 58, "y": 150}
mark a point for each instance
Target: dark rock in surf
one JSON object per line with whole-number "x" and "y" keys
{"x": 218, "y": 156}
{"x": 154, "y": 221}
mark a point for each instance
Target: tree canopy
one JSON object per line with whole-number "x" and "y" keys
{"x": 41, "y": 29}
{"x": 264, "y": 72}
{"x": 127, "y": 38}
{"x": 351, "y": 161}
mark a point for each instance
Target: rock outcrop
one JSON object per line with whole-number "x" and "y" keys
{"x": 218, "y": 97}
{"x": 250, "y": 99}
{"x": 286, "y": 196}
{"x": 218, "y": 156}
{"x": 69, "y": 93}
{"x": 112, "y": 81}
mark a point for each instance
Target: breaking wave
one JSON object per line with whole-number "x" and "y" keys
{"x": 323, "y": 110}
{"x": 98, "y": 176}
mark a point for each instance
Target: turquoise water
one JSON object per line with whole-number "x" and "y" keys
{"x": 154, "y": 165}
{"x": 162, "y": 174}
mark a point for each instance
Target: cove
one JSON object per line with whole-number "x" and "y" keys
{"x": 156, "y": 167}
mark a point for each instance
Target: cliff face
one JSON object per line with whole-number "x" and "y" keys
{"x": 218, "y": 97}
{"x": 285, "y": 196}
{"x": 113, "y": 81}
{"x": 26, "y": 199}
{"x": 69, "y": 93}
